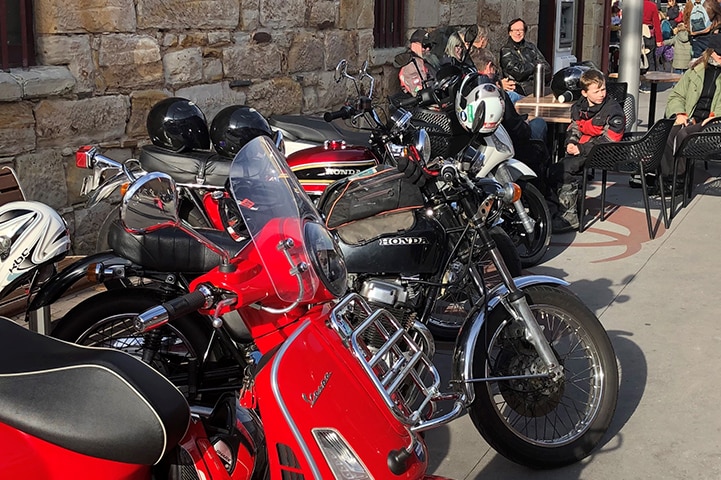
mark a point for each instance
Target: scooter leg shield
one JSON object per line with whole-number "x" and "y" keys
{"x": 468, "y": 336}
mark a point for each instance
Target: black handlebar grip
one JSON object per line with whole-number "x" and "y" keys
{"x": 344, "y": 112}
{"x": 408, "y": 102}
{"x": 188, "y": 303}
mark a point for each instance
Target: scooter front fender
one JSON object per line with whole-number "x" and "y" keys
{"x": 465, "y": 348}
{"x": 57, "y": 285}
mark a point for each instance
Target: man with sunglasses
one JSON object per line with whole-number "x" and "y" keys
{"x": 422, "y": 66}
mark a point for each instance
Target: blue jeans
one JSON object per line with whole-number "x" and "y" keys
{"x": 539, "y": 128}
{"x": 514, "y": 96}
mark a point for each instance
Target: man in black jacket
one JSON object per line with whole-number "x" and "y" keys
{"x": 518, "y": 60}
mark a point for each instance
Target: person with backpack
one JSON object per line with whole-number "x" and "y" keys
{"x": 681, "y": 44}
{"x": 702, "y": 18}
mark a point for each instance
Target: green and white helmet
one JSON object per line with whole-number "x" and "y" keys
{"x": 476, "y": 93}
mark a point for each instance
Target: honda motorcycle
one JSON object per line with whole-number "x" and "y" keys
{"x": 532, "y": 365}
{"x": 344, "y": 150}
{"x": 313, "y": 351}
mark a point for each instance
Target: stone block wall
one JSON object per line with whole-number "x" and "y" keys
{"x": 104, "y": 63}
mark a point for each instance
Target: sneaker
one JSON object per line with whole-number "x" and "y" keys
{"x": 644, "y": 90}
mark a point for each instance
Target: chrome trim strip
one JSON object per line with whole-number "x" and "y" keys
{"x": 275, "y": 387}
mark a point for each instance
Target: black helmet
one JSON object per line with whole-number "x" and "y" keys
{"x": 566, "y": 80}
{"x": 178, "y": 125}
{"x": 235, "y": 126}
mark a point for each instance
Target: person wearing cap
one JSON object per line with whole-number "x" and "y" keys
{"x": 421, "y": 67}
{"x": 694, "y": 100}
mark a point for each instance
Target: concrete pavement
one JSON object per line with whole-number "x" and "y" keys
{"x": 658, "y": 301}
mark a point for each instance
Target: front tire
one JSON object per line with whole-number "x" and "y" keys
{"x": 533, "y": 247}
{"x": 106, "y": 320}
{"x": 537, "y": 422}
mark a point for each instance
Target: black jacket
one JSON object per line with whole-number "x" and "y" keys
{"x": 518, "y": 61}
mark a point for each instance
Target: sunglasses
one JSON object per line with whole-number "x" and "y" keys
{"x": 427, "y": 45}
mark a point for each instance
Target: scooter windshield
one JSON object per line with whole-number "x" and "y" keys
{"x": 274, "y": 208}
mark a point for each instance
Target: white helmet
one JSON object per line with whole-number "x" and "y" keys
{"x": 476, "y": 90}
{"x": 31, "y": 234}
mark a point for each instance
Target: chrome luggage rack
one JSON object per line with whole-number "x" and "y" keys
{"x": 399, "y": 368}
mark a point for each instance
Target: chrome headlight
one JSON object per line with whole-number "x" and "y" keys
{"x": 400, "y": 118}
{"x": 326, "y": 257}
{"x": 422, "y": 142}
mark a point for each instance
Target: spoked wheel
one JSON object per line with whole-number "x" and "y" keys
{"x": 106, "y": 320}
{"x": 539, "y": 422}
{"x": 456, "y": 301}
{"x": 533, "y": 247}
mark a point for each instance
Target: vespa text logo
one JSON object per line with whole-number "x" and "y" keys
{"x": 342, "y": 172}
{"x": 398, "y": 241}
{"x": 313, "y": 397}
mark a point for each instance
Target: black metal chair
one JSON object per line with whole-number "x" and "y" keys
{"x": 617, "y": 90}
{"x": 704, "y": 146}
{"x": 639, "y": 156}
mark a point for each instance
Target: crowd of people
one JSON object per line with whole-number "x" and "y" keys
{"x": 695, "y": 99}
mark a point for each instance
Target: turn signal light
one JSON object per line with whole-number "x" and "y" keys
{"x": 516, "y": 192}
{"x": 84, "y": 156}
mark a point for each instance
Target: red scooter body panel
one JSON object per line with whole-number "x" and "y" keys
{"x": 337, "y": 395}
{"x": 318, "y": 167}
{"x": 28, "y": 457}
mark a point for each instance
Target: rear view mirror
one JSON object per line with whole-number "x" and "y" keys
{"x": 149, "y": 204}
{"x": 402, "y": 59}
{"x": 471, "y": 34}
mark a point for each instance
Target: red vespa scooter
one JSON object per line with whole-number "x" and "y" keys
{"x": 316, "y": 353}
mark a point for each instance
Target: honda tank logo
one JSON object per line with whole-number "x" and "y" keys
{"x": 343, "y": 172}
{"x": 403, "y": 241}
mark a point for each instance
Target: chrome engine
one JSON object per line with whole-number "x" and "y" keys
{"x": 391, "y": 294}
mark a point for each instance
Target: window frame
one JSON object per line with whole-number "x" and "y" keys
{"x": 16, "y": 25}
{"x": 389, "y": 23}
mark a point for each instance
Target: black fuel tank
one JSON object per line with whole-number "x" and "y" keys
{"x": 418, "y": 250}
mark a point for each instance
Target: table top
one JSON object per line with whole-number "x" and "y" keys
{"x": 661, "y": 77}
{"x": 547, "y": 107}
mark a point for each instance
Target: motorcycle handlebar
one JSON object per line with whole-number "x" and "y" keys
{"x": 170, "y": 310}
{"x": 345, "y": 112}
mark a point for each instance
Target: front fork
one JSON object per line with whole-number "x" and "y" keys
{"x": 516, "y": 304}
{"x": 529, "y": 224}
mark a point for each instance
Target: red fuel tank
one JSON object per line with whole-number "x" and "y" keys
{"x": 318, "y": 167}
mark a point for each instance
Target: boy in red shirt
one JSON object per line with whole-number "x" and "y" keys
{"x": 595, "y": 118}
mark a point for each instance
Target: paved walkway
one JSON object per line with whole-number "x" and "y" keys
{"x": 658, "y": 301}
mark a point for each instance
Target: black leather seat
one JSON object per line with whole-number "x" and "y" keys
{"x": 170, "y": 249}
{"x": 317, "y": 130}
{"x": 207, "y": 168}
{"x": 97, "y": 402}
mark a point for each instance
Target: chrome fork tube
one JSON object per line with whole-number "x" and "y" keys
{"x": 517, "y": 305}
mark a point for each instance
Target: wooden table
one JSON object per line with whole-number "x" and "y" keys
{"x": 548, "y": 108}
{"x": 552, "y": 111}
{"x": 654, "y": 78}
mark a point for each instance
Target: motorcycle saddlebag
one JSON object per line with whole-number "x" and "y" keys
{"x": 201, "y": 167}
{"x": 378, "y": 192}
